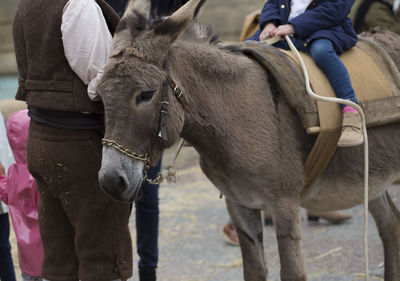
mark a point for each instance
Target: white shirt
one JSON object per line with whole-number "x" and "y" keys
{"x": 298, "y": 7}
{"x": 87, "y": 41}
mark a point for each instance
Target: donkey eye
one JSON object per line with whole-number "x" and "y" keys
{"x": 145, "y": 96}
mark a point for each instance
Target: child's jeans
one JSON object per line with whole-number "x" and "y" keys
{"x": 324, "y": 55}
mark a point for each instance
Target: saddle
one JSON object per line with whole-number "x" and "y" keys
{"x": 375, "y": 79}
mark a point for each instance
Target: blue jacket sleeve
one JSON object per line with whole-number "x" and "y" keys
{"x": 325, "y": 15}
{"x": 270, "y": 13}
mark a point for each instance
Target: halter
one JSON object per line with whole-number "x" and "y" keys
{"x": 146, "y": 158}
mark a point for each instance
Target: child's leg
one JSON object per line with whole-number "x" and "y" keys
{"x": 323, "y": 53}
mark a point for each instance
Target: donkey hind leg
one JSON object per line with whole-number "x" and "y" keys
{"x": 249, "y": 228}
{"x": 288, "y": 232}
{"x": 387, "y": 219}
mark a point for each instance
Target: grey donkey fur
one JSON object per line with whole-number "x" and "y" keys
{"x": 253, "y": 146}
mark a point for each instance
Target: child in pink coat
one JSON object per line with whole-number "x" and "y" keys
{"x": 18, "y": 190}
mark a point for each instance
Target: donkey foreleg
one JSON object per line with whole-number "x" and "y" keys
{"x": 248, "y": 226}
{"x": 286, "y": 216}
{"x": 387, "y": 219}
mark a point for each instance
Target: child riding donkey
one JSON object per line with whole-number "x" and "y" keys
{"x": 322, "y": 29}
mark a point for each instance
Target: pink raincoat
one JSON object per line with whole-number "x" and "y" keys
{"x": 19, "y": 191}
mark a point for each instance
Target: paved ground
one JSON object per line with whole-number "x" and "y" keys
{"x": 193, "y": 249}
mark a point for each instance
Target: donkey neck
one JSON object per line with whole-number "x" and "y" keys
{"x": 230, "y": 91}
{"x": 212, "y": 80}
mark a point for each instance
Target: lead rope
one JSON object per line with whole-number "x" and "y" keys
{"x": 366, "y": 162}
{"x": 169, "y": 173}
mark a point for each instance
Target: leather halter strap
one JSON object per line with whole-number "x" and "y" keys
{"x": 181, "y": 99}
{"x": 163, "y": 112}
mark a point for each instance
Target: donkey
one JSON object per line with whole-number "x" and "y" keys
{"x": 251, "y": 143}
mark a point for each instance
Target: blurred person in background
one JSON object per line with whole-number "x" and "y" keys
{"x": 19, "y": 191}
{"x": 7, "y": 272}
{"x": 367, "y": 14}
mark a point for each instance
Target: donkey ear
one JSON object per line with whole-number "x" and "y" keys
{"x": 134, "y": 20}
{"x": 138, "y": 7}
{"x": 180, "y": 20}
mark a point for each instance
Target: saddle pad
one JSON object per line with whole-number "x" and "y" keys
{"x": 250, "y": 25}
{"x": 330, "y": 120}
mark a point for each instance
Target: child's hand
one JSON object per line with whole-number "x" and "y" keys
{"x": 267, "y": 31}
{"x": 2, "y": 170}
{"x": 282, "y": 30}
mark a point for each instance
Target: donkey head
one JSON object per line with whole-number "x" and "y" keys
{"x": 142, "y": 117}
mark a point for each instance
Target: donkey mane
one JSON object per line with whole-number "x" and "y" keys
{"x": 201, "y": 34}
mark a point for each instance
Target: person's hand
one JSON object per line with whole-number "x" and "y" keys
{"x": 282, "y": 30}
{"x": 267, "y": 31}
{"x": 2, "y": 170}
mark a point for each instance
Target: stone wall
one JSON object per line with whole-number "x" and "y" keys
{"x": 226, "y": 16}
{"x": 7, "y": 59}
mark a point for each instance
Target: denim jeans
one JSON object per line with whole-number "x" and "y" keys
{"x": 324, "y": 55}
{"x": 6, "y": 264}
{"x": 147, "y": 215}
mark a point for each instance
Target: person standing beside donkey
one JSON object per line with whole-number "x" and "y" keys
{"x": 61, "y": 47}
{"x": 19, "y": 191}
{"x": 322, "y": 29}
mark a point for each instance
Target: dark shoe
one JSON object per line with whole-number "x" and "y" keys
{"x": 147, "y": 273}
{"x": 333, "y": 217}
{"x": 351, "y": 130}
{"x": 230, "y": 234}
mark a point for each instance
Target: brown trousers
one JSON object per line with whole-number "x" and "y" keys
{"x": 85, "y": 234}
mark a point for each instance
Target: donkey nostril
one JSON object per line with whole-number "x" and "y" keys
{"x": 112, "y": 182}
